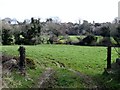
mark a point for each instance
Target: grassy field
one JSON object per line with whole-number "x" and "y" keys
{"x": 90, "y": 61}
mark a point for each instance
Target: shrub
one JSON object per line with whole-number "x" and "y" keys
{"x": 104, "y": 41}
{"x": 88, "y": 40}
{"x": 6, "y": 37}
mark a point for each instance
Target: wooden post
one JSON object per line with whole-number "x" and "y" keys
{"x": 108, "y": 57}
{"x": 22, "y": 59}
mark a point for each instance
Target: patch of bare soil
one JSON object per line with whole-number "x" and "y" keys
{"x": 47, "y": 79}
{"x": 11, "y": 62}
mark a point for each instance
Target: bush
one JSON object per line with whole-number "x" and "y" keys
{"x": 88, "y": 40}
{"x": 7, "y": 37}
{"x": 105, "y": 41}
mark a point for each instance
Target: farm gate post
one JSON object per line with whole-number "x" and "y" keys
{"x": 108, "y": 57}
{"x": 22, "y": 59}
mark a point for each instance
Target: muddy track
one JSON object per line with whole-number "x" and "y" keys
{"x": 87, "y": 80}
{"x": 47, "y": 79}
{"x": 59, "y": 64}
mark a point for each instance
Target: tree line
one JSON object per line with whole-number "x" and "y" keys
{"x": 34, "y": 31}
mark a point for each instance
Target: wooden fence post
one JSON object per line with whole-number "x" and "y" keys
{"x": 108, "y": 57}
{"x": 22, "y": 59}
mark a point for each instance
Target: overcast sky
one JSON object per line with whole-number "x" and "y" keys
{"x": 66, "y": 10}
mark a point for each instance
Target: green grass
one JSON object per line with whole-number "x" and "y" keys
{"x": 88, "y": 60}
{"x": 65, "y": 78}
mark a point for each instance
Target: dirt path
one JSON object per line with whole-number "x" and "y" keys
{"x": 46, "y": 80}
{"x": 89, "y": 82}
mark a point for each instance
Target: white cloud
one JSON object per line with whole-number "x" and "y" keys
{"x": 67, "y": 10}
